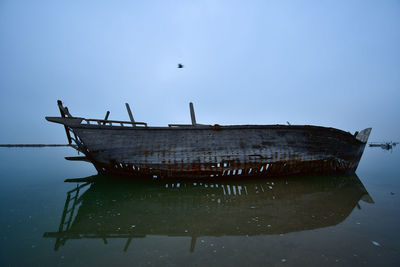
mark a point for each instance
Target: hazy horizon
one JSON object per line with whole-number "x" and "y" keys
{"x": 331, "y": 63}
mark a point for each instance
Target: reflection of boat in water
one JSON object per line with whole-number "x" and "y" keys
{"x": 126, "y": 209}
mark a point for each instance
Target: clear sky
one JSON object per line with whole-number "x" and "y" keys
{"x": 330, "y": 63}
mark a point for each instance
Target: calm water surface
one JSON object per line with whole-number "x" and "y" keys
{"x": 312, "y": 221}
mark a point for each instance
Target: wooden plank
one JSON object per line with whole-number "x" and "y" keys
{"x": 192, "y": 115}
{"x": 106, "y": 117}
{"x": 82, "y": 158}
{"x": 130, "y": 114}
{"x": 363, "y": 135}
{"x": 62, "y": 111}
{"x": 201, "y": 147}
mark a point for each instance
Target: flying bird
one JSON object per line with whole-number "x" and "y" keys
{"x": 180, "y": 66}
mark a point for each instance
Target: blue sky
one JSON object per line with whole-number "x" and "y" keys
{"x": 329, "y": 63}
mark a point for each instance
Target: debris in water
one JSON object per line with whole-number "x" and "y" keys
{"x": 376, "y": 244}
{"x": 385, "y": 145}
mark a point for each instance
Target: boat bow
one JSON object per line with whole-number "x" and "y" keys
{"x": 65, "y": 121}
{"x": 364, "y": 135}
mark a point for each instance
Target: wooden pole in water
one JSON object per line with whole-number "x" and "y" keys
{"x": 192, "y": 115}
{"x": 130, "y": 114}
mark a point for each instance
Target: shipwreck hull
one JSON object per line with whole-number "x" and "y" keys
{"x": 134, "y": 149}
{"x": 226, "y": 151}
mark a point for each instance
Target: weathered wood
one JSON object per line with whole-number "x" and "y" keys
{"x": 193, "y": 150}
{"x": 363, "y": 135}
{"x": 67, "y": 112}
{"x": 79, "y": 158}
{"x": 192, "y": 115}
{"x": 62, "y": 111}
{"x": 130, "y": 114}
{"x": 32, "y": 145}
{"x": 106, "y": 117}
{"x": 73, "y": 122}
{"x": 188, "y": 125}
{"x": 226, "y": 151}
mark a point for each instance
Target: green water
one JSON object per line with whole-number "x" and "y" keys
{"x": 300, "y": 221}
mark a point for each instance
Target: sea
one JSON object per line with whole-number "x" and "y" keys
{"x": 55, "y": 212}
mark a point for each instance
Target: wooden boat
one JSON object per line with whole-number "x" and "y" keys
{"x": 130, "y": 148}
{"x": 104, "y": 210}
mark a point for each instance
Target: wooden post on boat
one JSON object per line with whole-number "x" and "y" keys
{"x": 192, "y": 115}
{"x": 62, "y": 111}
{"x": 106, "y": 117}
{"x": 130, "y": 114}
